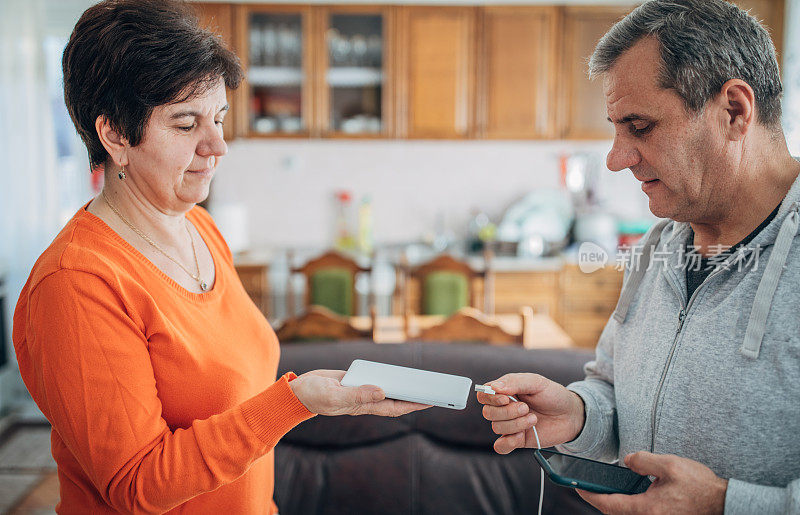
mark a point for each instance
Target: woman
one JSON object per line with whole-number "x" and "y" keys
{"x": 133, "y": 333}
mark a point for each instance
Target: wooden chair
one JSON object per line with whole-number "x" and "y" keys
{"x": 254, "y": 278}
{"x": 470, "y": 325}
{"x": 445, "y": 263}
{"x": 331, "y": 267}
{"x": 320, "y": 323}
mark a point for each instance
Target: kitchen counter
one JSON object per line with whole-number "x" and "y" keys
{"x": 579, "y": 302}
{"x": 277, "y": 257}
{"x": 254, "y": 257}
{"x": 520, "y": 264}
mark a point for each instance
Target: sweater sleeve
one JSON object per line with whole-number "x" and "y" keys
{"x": 599, "y": 438}
{"x": 744, "y": 498}
{"x": 86, "y": 363}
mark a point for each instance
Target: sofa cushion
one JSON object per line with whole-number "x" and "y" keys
{"x": 429, "y": 462}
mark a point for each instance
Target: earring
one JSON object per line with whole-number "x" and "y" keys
{"x": 121, "y": 174}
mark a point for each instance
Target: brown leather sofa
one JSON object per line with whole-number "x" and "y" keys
{"x": 437, "y": 461}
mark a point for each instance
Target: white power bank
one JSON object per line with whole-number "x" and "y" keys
{"x": 410, "y": 384}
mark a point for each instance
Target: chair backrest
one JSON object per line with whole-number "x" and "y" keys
{"x": 330, "y": 282}
{"x": 470, "y": 325}
{"x": 446, "y": 285}
{"x": 320, "y": 323}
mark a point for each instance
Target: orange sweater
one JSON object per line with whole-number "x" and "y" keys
{"x": 160, "y": 399}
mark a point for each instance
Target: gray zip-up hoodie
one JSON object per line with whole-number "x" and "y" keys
{"x": 714, "y": 378}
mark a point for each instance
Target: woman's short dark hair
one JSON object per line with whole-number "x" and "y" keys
{"x": 126, "y": 57}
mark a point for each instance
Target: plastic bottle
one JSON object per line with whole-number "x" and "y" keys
{"x": 343, "y": 239}
{"x": 475, "y": 230}
{"x": 365, "y": 243}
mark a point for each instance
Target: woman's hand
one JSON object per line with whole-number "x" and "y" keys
{"x": 557, "y": 413}
{"x": 321, "y": 392}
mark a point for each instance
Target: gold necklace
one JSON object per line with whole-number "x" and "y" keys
{"x": 196, "y": 277}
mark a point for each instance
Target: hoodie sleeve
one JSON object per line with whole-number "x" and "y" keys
{"x": 599, "y": 439}
{"x": 745, "y": 498}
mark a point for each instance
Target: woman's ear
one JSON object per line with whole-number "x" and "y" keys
{"x": 738, "y": 102}
{"x": 115, "y": 144}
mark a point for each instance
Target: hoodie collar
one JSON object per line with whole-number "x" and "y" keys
{"x": 677, "y": 233}
{"x": 780, "y": 233}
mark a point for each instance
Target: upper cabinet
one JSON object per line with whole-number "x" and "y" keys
{"x": 516, "y": 85}
{"x": 218, "y": 18}
{"x": 583, "y": 106}
{"x": 275, "y": 45}
{"x": 770, "y": 13}
{"x": 355, "y": 79}
{"x": 436, "y": 72}
{"x": 389, "y": 71}
{"x": 583, "y": 109}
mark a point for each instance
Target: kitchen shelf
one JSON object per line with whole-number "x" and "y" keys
{"x": 354, "y": 77}
{"x": 276, "y": 76}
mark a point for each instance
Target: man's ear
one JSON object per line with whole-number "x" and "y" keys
{"x": 115, "y": 144}
{"x": 739, "y": 105}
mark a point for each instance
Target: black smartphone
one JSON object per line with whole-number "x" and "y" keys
{"x": 590, "y": 475}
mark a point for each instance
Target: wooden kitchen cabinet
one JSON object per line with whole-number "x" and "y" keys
{"x": 354, "y": 81}
{"x": 495, "y": 72}
{"x": 770, "y": 13}
{"x": 587, "y": 301}
{"x": 517, "y": 84}
{"x": 218, "y": 18}
{"x": 580, "y": 303}
{"x": 583, "y": 106}
{"x": 514, "y": 290}
{"x": 275, "y": 44}
{"x": 436, "y": 72}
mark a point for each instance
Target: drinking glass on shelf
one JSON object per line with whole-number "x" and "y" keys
{"x": 256, "y": 44}
{"x": 284, "y": 44}
{"x": 341, "y": 51}
{"x": 359, "y": 46}
{"x": 332, "y": 37}
{"x": 374, "y": 124}
{"x": 265, "y": 124}
{"x": 291, "y": 124}
{"x": 270, "y": 45}
{"x": 295, "y": 43}
{"x": 375, "y": 50}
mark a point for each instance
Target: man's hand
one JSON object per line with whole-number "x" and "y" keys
{"x": 681, "y": 486}
{"x": 321, "y": 392}
{"x": 557, "y": 413}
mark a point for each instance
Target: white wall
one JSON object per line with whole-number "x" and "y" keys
{"x": 39, "y": 182}
{"x": 287, "y": 186}
{"x": 791, "y": 76}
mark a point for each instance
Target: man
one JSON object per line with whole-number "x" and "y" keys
{"x": 696, "y": 379}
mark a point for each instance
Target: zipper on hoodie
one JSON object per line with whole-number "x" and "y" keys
{"x": 681, "y": 318}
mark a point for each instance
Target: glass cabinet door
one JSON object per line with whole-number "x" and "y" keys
{"x": 276, "y": 73}
{"x": 354, "y": 78}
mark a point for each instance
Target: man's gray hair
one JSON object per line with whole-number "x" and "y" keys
{"x": 704, "y": 43}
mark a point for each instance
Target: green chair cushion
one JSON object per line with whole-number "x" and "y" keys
{"x": 444, "y": 293}
{"x": 333, "y": 289}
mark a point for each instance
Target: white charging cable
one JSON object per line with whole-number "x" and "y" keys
{"x": 488, "y": 390}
